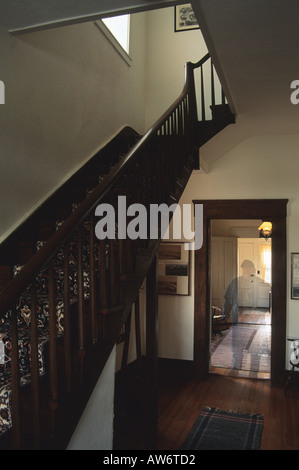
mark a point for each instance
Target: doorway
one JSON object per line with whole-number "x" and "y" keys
{"x": 240, "y": 299}
{"x": 274, "y": 210}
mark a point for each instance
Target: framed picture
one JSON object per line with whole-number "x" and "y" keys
{"x": 174, "y": 269}
{"x": 184, "y": 18}
{"x": 295, "y": 276}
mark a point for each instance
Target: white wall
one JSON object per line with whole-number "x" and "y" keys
{"x": 132, "y": 352}
{"x": 67, "y": 92}
{"x": 260, "y": 167}
{"x": 95, "y": 428}
{"x": 166, "y": 54}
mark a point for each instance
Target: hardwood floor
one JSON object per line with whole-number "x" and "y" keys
{"x": 181, "y": 400}
{"x": 260, "y": 316}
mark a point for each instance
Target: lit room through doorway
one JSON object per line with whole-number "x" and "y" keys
{"x": 240, "y": 299}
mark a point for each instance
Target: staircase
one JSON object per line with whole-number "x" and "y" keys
{"x": 65, "y": 294}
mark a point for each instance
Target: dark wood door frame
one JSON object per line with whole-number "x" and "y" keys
{"x": 274, "y": 210}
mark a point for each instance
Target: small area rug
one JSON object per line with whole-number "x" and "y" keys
{"x": 225, "y": 430}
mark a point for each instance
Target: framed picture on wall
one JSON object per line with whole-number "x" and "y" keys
{"x": 295, "y": 276}
{"x": 174, "y": 269}
{"x": 184, "y": 18}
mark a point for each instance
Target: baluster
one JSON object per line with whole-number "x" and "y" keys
{"x": 212, "y": 85}
{"x": 92, "y": 279}
{"x": 137, "y": 331}
{"x": 169, "y": 156}
{"x": 34, "y": 367}
{"x": 103, "y": 271}
{"x": 222, "y": 96}
{"x": 183, "y": 116}
{"x": 102, "y": 286}
{"x": 170, "y": 146}
{"x": 112, "y": 283}
{"x": 184, "y": 139}
{"x": 122, "y": 253}
{"x": 128, "y": 246}
{"x": 149, "y": 171}
{"x": 15, "y": 383}
{"x": 189, "y": 124}
{"x": 159, "y": 162}
{"x": 81, "y": 323}
{"x": 166, "y": 127}
{"x": 203, "y": 107}
{"x": 126, "y": 341}
{"x": 53, "y": 379}
{"x": 67, "y": 320}
{"x": 80, "y": 291}
{"x": 151, "y": 358}
{"x": 178, "y": 136}
{"x": 177, "y": 120}
{"x": 186, "y": 124}
{"x": 180, "y": 129}
{"x": 175, "y": 139}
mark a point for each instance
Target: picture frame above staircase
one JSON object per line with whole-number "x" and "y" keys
{"x": 184, "y": 18}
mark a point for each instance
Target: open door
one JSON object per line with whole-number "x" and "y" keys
{"x": 240, "y": 288}
{"x": 274, "y": 210}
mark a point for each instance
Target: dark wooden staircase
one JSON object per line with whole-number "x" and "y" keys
{"x": 65, "y": 294}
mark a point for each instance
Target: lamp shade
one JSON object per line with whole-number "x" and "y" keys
{"x": 266, "y": 229}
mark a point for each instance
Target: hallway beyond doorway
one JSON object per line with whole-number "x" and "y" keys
{"x": 244, "y": 350}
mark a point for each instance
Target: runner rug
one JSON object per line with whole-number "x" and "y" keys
{"x": 243, "y": 347}
{"x": 225, "y": 430}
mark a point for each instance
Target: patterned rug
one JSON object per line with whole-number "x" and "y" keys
{"x": 225, "y": 430}
{"x": 244, "y": 348}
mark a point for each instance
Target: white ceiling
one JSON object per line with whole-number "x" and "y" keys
{"x": 19, "y": 15}
{"x": 255, "y": 47}
{"x": 256, "y": 43}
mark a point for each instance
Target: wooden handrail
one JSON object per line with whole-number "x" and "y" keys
{"x": 39, "y": 260}
{"x": 198, "y": 64}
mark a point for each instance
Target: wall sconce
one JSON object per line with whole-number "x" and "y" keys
{"x": 265, "y": 230}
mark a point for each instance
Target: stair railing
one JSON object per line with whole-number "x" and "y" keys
{"x": 208, "y": 88}
{"x": 77, "y": 277}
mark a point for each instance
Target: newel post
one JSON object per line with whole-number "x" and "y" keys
{"x": 151, "y": 376}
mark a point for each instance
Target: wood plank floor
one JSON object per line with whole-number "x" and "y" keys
{"x": 181, "y": 400}
{"x": 257, "y": 316}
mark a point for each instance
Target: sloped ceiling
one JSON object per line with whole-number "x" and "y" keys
{"x": 255, "y": 45}
{"x": 19, "y": 15}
